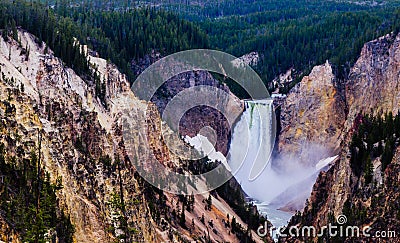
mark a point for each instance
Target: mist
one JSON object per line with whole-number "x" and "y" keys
{"x": 284, "y": 181}
{"x": 286, "y": 178}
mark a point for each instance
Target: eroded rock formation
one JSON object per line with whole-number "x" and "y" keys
{"x": 82, "y": 143}
{"x": 371, "y": 88}
{"x": 312, "y": 117}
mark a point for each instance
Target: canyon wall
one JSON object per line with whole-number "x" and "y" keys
{"x": 81, "y": 143}
{"x": 312, "y": 117}
{"x": 372, "y": 87}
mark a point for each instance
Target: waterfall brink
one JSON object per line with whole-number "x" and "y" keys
{"x": 251, "y": 146}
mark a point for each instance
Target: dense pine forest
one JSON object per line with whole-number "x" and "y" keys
{"x": 290, "y": 34}
{"x": 287, "y": 34}
{"x": 375, "y": 137}
{"x": 28, "y": 200}
{"x": 120, "y": 36}
{"x": 299, "y": 40}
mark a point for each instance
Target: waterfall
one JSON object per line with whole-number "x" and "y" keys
{"x": 251, "y": 146}
{"x": 271, "y": 184}
{"x": 250, "y": 152}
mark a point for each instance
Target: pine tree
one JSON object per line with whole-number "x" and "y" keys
{"x": 368, "y": 171}
{"x": 209, "y": 202}
{"x": 182, "y": 218}
{"x": 233, "y": 225}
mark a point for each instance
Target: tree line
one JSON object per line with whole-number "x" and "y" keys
{"x": 299, "y": 39}
{"x": 119, "y": 36}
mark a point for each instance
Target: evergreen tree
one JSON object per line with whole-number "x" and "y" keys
{"x": 209, "y": 202}
{"x": 368, "y": 171}
{"x": 182, "y": 218}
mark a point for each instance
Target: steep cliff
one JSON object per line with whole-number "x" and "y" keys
{"x": 77, "y": 136}
{"x": 373, "y": 84}
{"x": 363, "y": 183}
{"x": 312, "y": 117}
{"x": 198, "y": 117}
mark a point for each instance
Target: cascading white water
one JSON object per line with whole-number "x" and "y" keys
{"x": 250, "y": 151}
{"x": 250, "y": 161}
{"x": 252, "y": 144}
{"x": 251, "y": 147}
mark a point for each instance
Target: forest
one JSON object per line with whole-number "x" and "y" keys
{"x": 375, "y": 138}
{"x": 287, "y": 34}
{"x": 28, "y": 200}
{"x": 119, "y": 36}
{"x": 300, "y": 37}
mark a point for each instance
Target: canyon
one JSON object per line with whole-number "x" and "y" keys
{"x": 47, "y": 108}
{"x": 82, "y": 143}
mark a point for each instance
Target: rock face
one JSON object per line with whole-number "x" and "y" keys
{"x": 371, "y": 88}
{"x": 77, "y": 132}
{"x": 82, "y": 143}
{"x": 198, "y": 117}
{"x": 373, "y": 84}
{"x": 312, "y": 117}
{"x": 202, "y": 116}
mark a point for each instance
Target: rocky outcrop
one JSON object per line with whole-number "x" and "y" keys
{"x": 196, "y": 118}
{"x": 373, "y": 85}
{"x": 371, "y": 88}
{"x": 312, "y": 117}
{"x": 77, "y": 134}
